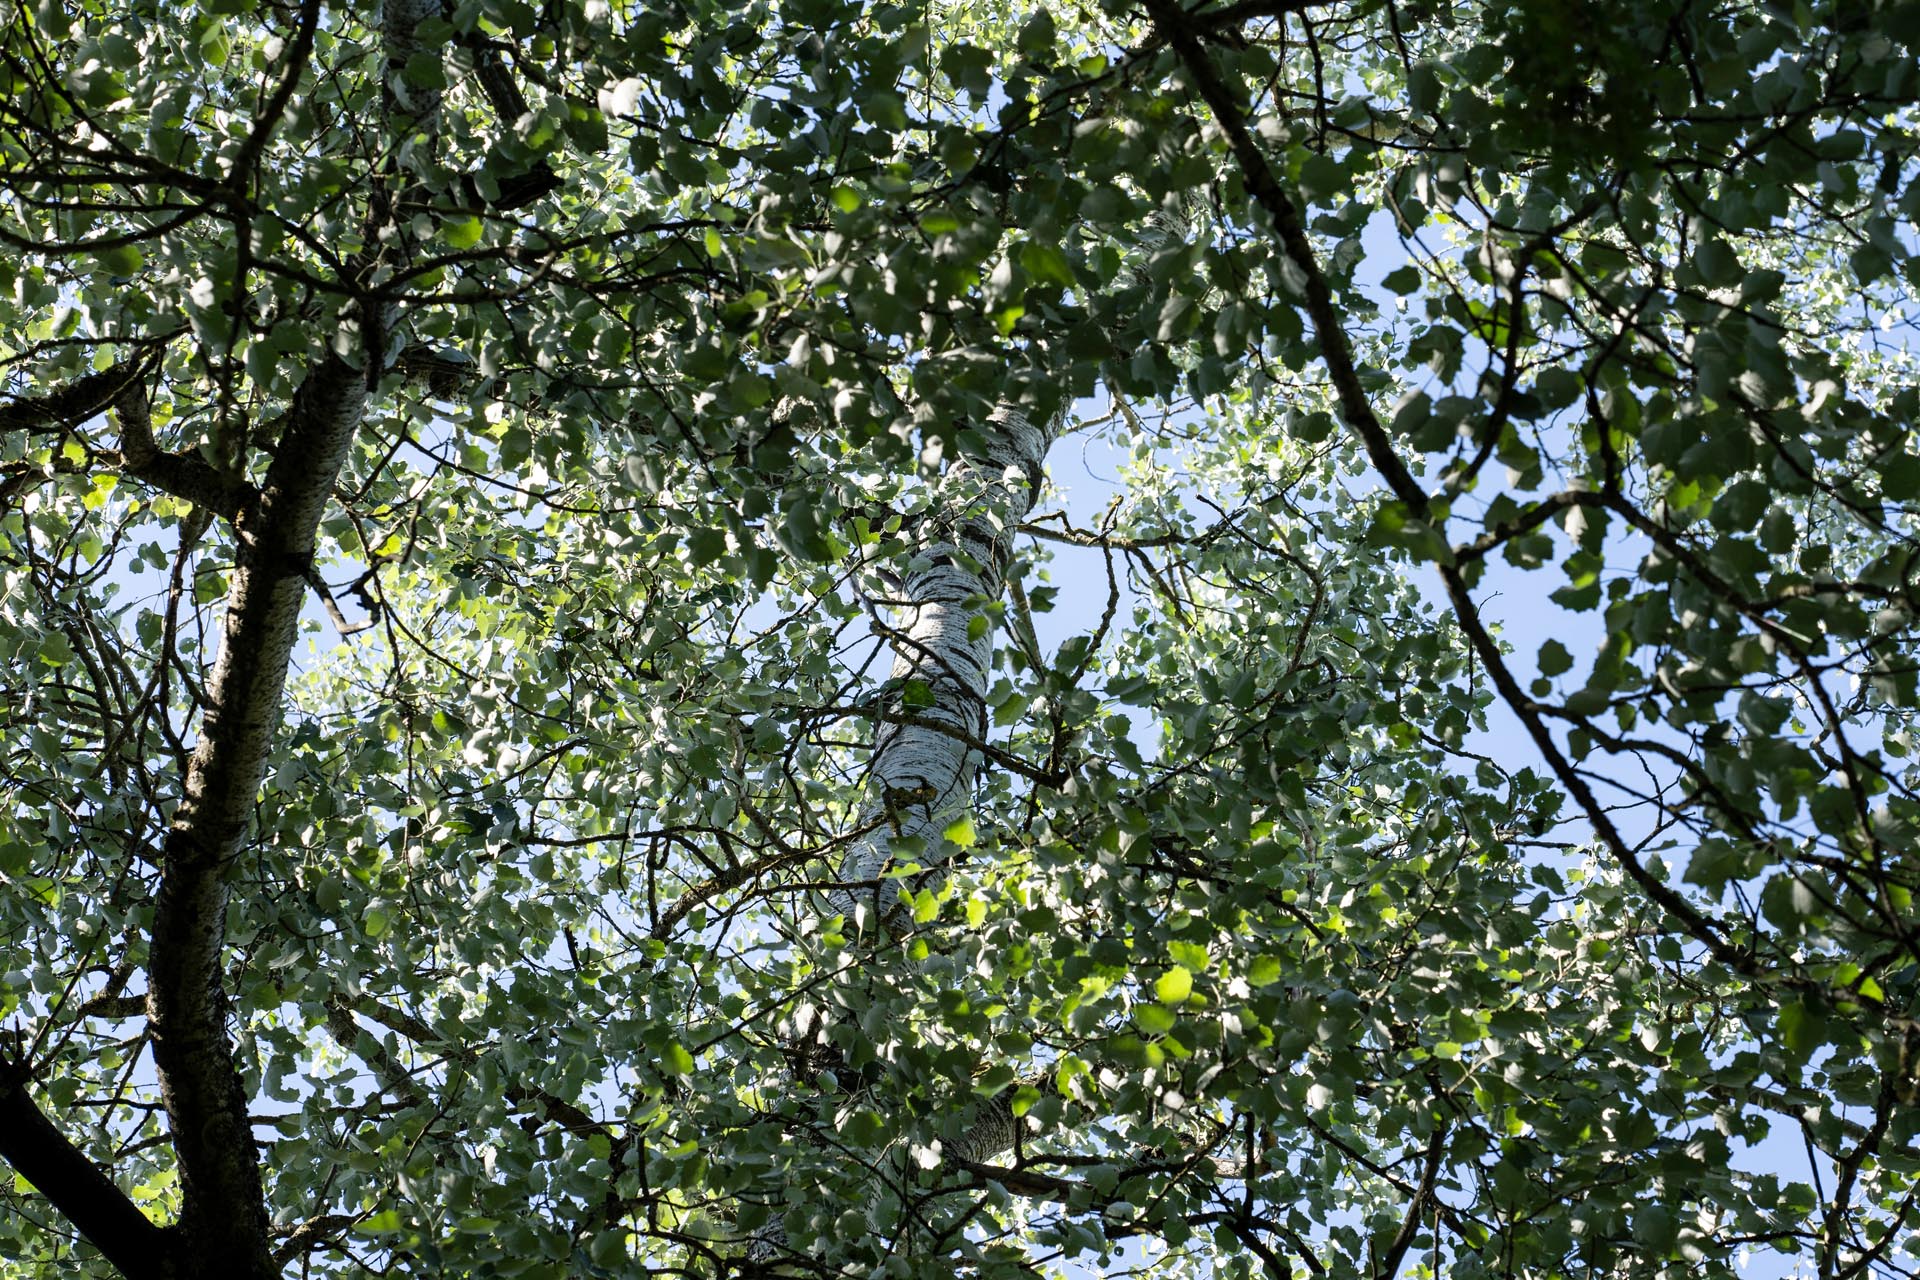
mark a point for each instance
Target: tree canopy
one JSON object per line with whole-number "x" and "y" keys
{"x": 571, "y": 711}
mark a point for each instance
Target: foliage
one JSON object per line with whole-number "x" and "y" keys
{"x": 468, "y": 468}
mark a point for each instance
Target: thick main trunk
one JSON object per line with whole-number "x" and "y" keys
{"x": 921, "y": 775}
{"x": 223, "y": 1228}
{"x": 223, "y": 1224}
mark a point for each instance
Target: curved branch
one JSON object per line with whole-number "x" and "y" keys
{"x": 185, "y": 476}
{"x": 1336, "y": 351}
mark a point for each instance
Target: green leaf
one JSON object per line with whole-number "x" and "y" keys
{"x": 460, "y": 233}
{"x": 216, "y": 46}
{"x": 1801, "y": 1028}
{"x": 1153, "y": 1019}
{"x": 1714, "y": 863}
{"x": 1037, "y": 36}
{"x": 1173, "y": 986}
{"x": 706, "y": 546}
{"x": 425, "y": 70}
{"x": 1554, "y": 659}
{"x": 55, "y": 649}
{"x": 1046, "y": 264}
{"x": 1190, "y": 955}
{"x": 122, "y": 260}
{"x": 884, "y": 108}
{"x": 1403, "y": 280}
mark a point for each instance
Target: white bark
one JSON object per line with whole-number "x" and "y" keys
{"x": 920, "y": 778}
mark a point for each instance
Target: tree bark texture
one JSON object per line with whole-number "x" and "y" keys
{"x": 922, "y": 771}
{"x": 921, "y": 775}
{"x": 223, "y": 1219}
{"x": 223, "y": 1228}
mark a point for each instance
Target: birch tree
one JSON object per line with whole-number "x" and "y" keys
{"x": 796, "y": 638}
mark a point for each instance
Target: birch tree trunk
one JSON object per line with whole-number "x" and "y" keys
{"x": 921, "y": 774}
{"x": 924, "y": 764}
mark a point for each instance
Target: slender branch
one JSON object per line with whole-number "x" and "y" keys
{"x": 112, "y": 1006}
{"x": 1118, "y": 542}
{"x": 1336, "y": 348}
{"x": 569, "y": 1116}
{"x": 1387, "y": 1265}
{"x": 437, "y": 370}
{"x": 1336, "y": 351}
{"x": 1847, "y": 1173}
{"x": 276, "y": 106}
{"x": 1025, "y": 1182}
{"x": 1248, "y": 11}
{"x": 707, "y": 890}
{"x": 1532, "y": 518}
{"x": 314, "y": 1233}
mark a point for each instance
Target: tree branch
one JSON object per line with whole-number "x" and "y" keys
{"x": 1336, "y": 352}
{"x": 436, "y": 369}
{"x": 269, "y": 118}
{"x": 74, "y": 403}
{"x": 315, "y": 1233}
{"x": 568, "y": 1115}
{"x": 223, "y": 1218}
{"x": 518, "y": 190}
{"x": 1387, "y": 1265}
{"x": 74, "y": 1185}
{"x": 185, "y": 476}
